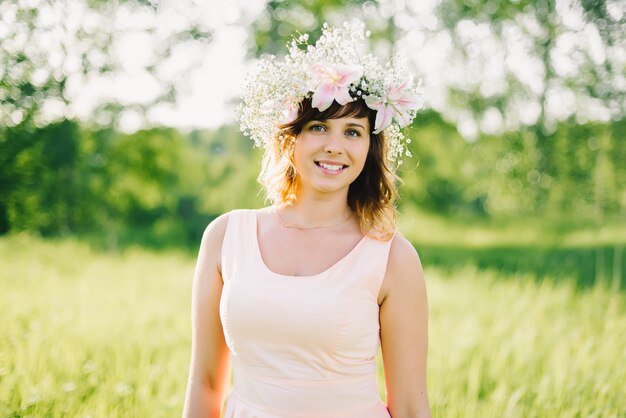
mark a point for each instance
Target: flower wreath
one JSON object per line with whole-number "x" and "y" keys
{"x": 331, "y": 70}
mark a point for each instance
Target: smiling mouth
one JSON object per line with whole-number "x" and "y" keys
{"x": 331, "y": 167}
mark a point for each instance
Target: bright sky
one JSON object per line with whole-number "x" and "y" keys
{"x": 211, "y": 74}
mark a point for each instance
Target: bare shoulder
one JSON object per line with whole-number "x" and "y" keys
{"x": 404, "y": 262}
{"x": 402, "y": 250}
{"x": 212, "y": 239}
{"x": 404, "y": 269}
{"x": 216, "y": 229}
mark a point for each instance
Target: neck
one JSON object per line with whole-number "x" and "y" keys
{"x": 312, "y": 211}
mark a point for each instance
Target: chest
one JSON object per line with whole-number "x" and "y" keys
{"x": 266, "y": 315}
{"x": 294, "y": 253}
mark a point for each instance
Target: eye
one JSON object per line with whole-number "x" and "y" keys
{"x": 353, "y": 133}
{"x": 317, "y": 128}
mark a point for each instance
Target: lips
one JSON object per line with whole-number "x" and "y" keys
{"x": 331, "y": 167}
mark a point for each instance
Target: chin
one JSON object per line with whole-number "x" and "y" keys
{"x": 330, "y": 186}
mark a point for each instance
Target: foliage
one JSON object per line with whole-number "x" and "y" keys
{"x": 538, "y": 86}
{"x": 39, "y": 171}
{"x": 75, "y": 180}
{"x": 516, "y": 63}
{"x": 574, "y": 48}
{"x": 58, "y": 176}
{"x": 281, "y": 19}
{"x": 575, "y": 171}
{"x": 161, "y": 187}
{"x": 49, "y": 50}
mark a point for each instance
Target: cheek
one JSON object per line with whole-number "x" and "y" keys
{"x": 360, "y": 153}
{"x": 300, "y": 152}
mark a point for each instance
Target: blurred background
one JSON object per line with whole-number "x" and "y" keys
{"x": 118, "y": 146}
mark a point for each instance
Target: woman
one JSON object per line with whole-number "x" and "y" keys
{"x": 301, "y": 294}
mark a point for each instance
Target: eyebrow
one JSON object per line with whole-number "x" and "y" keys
{"x": 350, "y": 124}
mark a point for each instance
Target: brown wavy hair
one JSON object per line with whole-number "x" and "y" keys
{"x": 372, "y": 194}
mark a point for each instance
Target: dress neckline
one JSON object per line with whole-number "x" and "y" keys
{"x": 312, "y": 276}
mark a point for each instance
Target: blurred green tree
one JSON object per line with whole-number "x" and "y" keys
{"x": 281, "y": 19}
{"x": 524, "y": 69}
{"x": 48, "y": 49}
{"x": 557, "y": 61}
{"x": 552, "y": 54}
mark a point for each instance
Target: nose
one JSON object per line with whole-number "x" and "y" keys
{"x": 333, "y": 143}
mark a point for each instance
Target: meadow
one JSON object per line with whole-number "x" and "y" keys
{"x": 92, "y": 333}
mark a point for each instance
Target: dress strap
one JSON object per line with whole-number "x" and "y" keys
{"x": 236, "y": 244}
{"x": 375, "y": 259}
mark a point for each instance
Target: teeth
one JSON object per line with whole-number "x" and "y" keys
{"x": 331, "y": 167}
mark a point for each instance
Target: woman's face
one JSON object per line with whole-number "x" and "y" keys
{"x": 330, "y": 154}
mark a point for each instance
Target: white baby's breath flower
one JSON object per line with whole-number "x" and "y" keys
{"x": 274, "y": 89}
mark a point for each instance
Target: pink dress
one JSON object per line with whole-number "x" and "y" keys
{"x": 301, "y": 346}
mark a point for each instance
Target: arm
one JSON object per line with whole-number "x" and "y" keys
{"x": 404, "y": 332}
{"x": 209, "y": 370}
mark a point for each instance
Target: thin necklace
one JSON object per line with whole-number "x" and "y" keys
{"x": 286, "y": 225}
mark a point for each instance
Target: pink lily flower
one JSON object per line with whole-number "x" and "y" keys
{"x": 332, "y": 83}
{"x": 397, "y": 104}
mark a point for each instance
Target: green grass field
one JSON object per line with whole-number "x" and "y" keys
{"x": 93, "y": 334}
